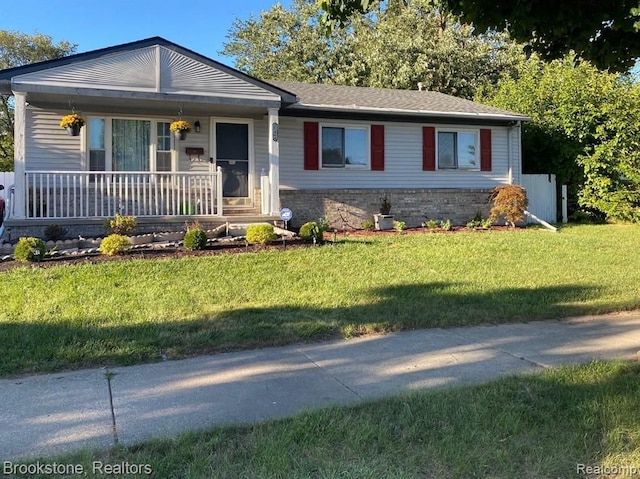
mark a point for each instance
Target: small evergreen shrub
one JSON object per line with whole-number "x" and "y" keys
{"x": 367, "y": 225}
{"x": 120, "y": 225}
{"x": 486, "y": 223}
{"x": 311, "y": 231}
{"x": 114, "y": 244}
{"x": 195, "y": 239}
{"x": 260, "y": 234}
{"x": 445, "y": 225}
{"x": 30, "y": 249}
{"x": 510, "y": 201}
{"x": 399, "y": 226}
{"x": 432, "y": 225}
{"x": 54, "y": 232}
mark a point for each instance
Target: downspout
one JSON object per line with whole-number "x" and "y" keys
{"x": 510, "y": 155}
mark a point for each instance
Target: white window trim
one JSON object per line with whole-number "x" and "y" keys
{"x": 475, "y": 132}
{"x": 367, "y": 146}
{"x": 108, "y": 145}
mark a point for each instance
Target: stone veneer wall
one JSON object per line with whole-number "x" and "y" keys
{"x": 349, "y": 208}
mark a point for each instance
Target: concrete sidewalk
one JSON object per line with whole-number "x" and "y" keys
{"x": 56, "y": 413}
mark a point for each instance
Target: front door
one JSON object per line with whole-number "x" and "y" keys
{"x": 233, "y": 151}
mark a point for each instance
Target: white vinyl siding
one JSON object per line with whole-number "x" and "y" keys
{"x": 49, "y": 147}
{"x": 151, "y": 70}
{"x": 403, "y": 161}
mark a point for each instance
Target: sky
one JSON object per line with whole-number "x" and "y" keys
{"x": 199, "y": 25}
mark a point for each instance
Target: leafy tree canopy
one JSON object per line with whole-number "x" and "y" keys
{"x": 397, "y": 48}
{"x": 585, "y": 128}
{"x": 603, "y": 32}
{"x": 17, "y": 49}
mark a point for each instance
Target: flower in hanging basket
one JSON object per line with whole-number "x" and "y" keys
{"x": 181, "y": 126}
{"x": 72, "y": 121}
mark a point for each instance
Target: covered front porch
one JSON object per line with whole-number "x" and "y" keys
{"x": 125, "y": 159}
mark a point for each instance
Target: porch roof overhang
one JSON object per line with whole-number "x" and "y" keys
{"x": 104, "y": 101}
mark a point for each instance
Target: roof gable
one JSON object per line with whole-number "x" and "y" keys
{"x": 152, "y": 66}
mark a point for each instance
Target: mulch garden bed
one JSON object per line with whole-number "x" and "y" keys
{"x": 141, "y": 253}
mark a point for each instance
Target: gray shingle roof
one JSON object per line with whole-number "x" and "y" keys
{"x": 381, "y": 100}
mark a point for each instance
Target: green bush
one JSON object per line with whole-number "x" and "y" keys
{"x": 399, "y": 226}
{"x": 120, "y": 225}
{"x": 445, "y": 225}
{"x": 30, "y": 249}
{"x": 311, "y": 231}
{"x": 432, "y": 225}
{"x": 260, "y": 234}
{"x": 367, "y": 225}
{"x": 54, "y": 232}
{"x": 114, "y": 244}
{"x": 195, "y": 239}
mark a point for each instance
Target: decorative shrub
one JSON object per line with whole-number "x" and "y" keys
{"x": 399, "y": 226}
{"x": 311, "y": 231}
{"x": 54, "y": 232}
{"x": 195, "y": 239}
{"x": 30, "y": 249}
{"x": 445, "y": 225}
{"x": 323, "y": 224}
{"x": 120, "y": 225}
{"x": 260, "y": 234}
{"x": 510, "y": 201}
{"x": 367, "y": 225}
{"x": 114, "y": 244}
{"x": 486, "y": 223}
{"x": 432, "y": 225}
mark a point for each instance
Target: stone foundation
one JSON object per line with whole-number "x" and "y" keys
{"x": 350, "y": 208}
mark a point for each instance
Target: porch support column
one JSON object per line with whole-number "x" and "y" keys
{"x": 20, "y": 117}
{"x": 274, "y": 161}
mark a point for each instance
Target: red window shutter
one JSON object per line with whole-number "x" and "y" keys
{"x": 428, "y": 148}
{"x": 485, "y": 150}
{"x": 377, "y": 147}
{"x": 311, "y": 152}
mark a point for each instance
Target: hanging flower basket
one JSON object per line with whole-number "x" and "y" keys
{"x": 72, "y": 123}
{"x": 180, "y": 128}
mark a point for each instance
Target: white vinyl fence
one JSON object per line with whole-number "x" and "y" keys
{"x": 6, "y": 179}
{"x": 542, "y": 195}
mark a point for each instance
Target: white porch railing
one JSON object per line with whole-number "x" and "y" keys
{"x": 91, "y": 194}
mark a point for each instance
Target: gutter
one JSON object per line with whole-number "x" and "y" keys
{"x": 400, "y": 111}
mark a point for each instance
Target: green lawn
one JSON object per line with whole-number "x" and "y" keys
{"x": 536, "y": 427}
{"x": 134, "y": 310}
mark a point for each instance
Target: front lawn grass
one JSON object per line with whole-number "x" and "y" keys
{"x": 533, "y": 426}
{"x": 137, "y": 310}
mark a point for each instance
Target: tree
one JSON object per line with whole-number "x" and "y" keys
{"x": 585, "y": 128}
{"x": 395, "y": 48}
{"x": 17, "y": 49}
{"x": 603, "y": 32}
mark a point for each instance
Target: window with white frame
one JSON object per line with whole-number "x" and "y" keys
{"x": 344, "y": 147}
{"x": 126, "y": 144}
{"x": 458, "y": 150}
